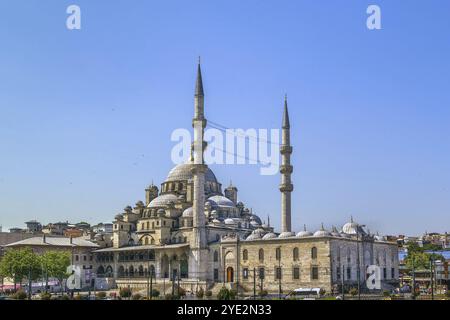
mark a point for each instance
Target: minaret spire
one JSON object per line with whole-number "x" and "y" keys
{"x": 199, "y": 240}
{"x": 286, "y": 169}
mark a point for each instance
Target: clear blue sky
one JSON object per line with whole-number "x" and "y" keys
{"x": 86, "y": 116}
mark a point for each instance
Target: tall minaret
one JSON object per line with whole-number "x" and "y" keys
{"x": 286, "y": 186}
{"x": 199, "y": 241}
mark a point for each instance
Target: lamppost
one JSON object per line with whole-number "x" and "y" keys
{"x": 431, "y": 278}
{"x": 279, "y": 272}
{"x": 413, "y": 279}
{"x": 358, "y": 260}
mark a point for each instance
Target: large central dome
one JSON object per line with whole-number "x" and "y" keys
{"x": 183, "y": 172}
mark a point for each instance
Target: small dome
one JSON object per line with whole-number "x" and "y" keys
{"x": 286, "y": 234}
{"x": 353, "y": 228}
{"x": 229, "y": 221}
{"x": 188, "y": 213}
{"x": 254, "y": 236}
{"x": 377, "y": 237}
{"x": 322, "y": 232}
{"x": 221, "y": 201}
{"x": 254, "y": 224}
{"x": 163, "y": 200}
{"x": 304, "y": 233}
{"x": 260, "y": 230}
{"x": 269, "y": 235}
{"x": 119, "y": 216}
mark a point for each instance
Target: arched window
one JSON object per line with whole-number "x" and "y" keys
{"x": 245, "y": 255}
{"x": 261, "y": 255}
{"x": 216, "y": 256}
{"x": 131, "y": 271}
{"x": 295, "y": 254}
{"x": 278, "y": 253}
{"x": 146, "y": 240}
{"x": 314, "y": 253}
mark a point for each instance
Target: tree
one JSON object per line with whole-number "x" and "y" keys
{"x": 55, "y": 264}
{"x": 20, "y": 264}
{"x": 420, "y": 259}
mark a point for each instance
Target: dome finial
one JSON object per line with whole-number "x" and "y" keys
{"x": 322, "y": 228}
{"x": 304, "y": 227}
{"x": 351, "y": 218}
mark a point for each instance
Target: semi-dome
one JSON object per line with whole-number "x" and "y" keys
{"x": 221, "y": 201}
{"x": 286, "y": 234}
{"x": 183, "y": 172}
{"x": 119, "y": 216}
{"x": 304, "y": 233}
{"x": 269, "y": 235}
{"x": 188, "y": 213}
{"x": 163, "y": 200}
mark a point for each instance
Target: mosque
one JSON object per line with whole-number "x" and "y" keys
{"x": 194, "y": 233}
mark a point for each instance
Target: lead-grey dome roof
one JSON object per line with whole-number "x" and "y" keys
{"x": 162, "y": 200}
{"x": 221, "y": 201}
{"x": 183, "y": 171}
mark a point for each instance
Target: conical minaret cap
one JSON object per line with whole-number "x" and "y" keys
{"x": 285, "y": 124}
{"x": 199, "y": 82}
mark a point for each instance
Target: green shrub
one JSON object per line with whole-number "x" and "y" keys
{"x": 322, "y": 292}
{"x": 65, "y": 297}
{"x": 136, "y": 296}
{"x": 77, "y": 297}
{"x": 169, "y": 296}
{"x": 181, "y": 292}
{"x": 125, "y": 292}
{"x": 101, "y": 295}
{"x": 353, "y": 291}
{"x": 155, "y": 293}
{"x": 200, "y": 293}
{"x": 20, "y": 295}
{"x": 225, "y": 294}
{"x": 45, "y": 296}
{"x": 263, "y": 293}
{"x": 208, "y": 293}
{"x": 386, "y": 293}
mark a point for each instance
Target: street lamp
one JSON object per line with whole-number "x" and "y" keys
{"x": 358, "y": 260}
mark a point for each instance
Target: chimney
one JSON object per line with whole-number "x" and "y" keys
{"x": 43, "y": 238}
{"x": 71, "y": 240}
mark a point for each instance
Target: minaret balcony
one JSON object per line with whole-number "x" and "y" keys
{"x": 286, "y": 169}
{"x": 285, "y": 149}
{"x": 286, "y": 187}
